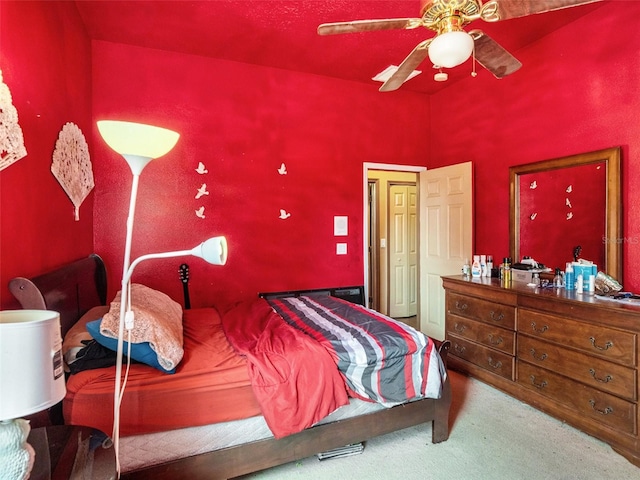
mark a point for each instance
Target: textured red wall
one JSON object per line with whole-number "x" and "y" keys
{"x": 242, "y": 122}
{"x": 45, "y": 60}
{"x": 577, "y": 92}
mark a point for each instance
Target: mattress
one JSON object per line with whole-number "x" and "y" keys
{"x": 147, "y": 450}
{"x": 211, "y": 381}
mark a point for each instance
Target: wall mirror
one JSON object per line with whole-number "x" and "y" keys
{"x": 560, "y": 204}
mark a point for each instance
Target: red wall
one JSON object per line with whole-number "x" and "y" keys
{"x": 578, "y": 91}
{"x": 45, "y": 59}
{"x": 242, "y": 122}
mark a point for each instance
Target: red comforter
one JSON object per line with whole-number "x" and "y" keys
{"x": 294, "y": 378}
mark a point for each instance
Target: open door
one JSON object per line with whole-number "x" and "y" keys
{"x": 446, "y": 236}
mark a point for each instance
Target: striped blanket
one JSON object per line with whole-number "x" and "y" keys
{"x": 381, "y": 359}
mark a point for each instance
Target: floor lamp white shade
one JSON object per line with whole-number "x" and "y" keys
{"x": 136, "y": 142}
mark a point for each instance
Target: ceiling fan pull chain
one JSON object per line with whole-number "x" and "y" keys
{"x": 474, "y": 74}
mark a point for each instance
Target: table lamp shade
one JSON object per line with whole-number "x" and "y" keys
{"x": 31, "y": 370}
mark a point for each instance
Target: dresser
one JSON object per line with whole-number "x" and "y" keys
{"x": 572, "y": 356}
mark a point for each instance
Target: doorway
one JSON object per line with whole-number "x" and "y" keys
{"x": 444, "y": 236}
{"x": 392, "y": 241}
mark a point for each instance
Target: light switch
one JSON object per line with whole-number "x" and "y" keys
{"x": 341, "y": 248}
{"x": 383, "y": 243}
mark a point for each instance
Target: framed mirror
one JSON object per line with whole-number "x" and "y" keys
{"x": 561, "y": 204}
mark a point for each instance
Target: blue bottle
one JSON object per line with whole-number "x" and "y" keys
{"x": 569, "y": 278}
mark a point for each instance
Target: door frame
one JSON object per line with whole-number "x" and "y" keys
{"x": 366, "y": 166}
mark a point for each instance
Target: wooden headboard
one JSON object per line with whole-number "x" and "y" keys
{"x": 70, "y": 290}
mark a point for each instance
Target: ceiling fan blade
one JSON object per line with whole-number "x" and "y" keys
{"x": 520, "y": 8}
{"x": 492, "y": 56}
{"x": 368, "y": 25}
{"x": 408, "y": 65}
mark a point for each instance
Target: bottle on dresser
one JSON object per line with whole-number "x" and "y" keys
{"x": 476, "y": 269}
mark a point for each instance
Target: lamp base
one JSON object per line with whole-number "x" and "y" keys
{"x": 17, "y": 457}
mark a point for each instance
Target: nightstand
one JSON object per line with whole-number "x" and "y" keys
{"x": 66, "y": 451}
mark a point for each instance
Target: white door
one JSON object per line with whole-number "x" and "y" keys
{"x": 403, "y": 251}
{"x": 446, "y": 213}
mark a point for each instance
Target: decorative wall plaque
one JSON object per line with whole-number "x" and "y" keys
{"x": 72, "y": 166}
{"x": 12, "y": 146}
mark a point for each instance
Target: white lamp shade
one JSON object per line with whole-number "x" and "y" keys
{"x": 213, "y": 250}
{"x": 137, "y": 142}
{"x": 450, "y": 49}
{"x": 31, "y": 370}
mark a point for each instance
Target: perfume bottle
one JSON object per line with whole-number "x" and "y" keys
{"x": 557, "y": 279}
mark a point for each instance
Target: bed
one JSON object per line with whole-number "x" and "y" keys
{"x": 240, "y": 445}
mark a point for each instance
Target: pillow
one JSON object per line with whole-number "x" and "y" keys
{"x": 157, "y": 321}
{"x": 142, "y": 352}
{"x": 76, "y": 339}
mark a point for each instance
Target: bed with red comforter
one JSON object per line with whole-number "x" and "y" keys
{"x": 292, "y": 361}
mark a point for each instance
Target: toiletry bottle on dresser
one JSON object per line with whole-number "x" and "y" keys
{"x": 557, "y": 279}
{"x": 483, "y": 265}
{"x": 466, "y": 268}
{"x": 489, "y": 265}
{"x": 569, "y": 279}
{"x": 476, "y": 270}
{"x": 507, "y": 270}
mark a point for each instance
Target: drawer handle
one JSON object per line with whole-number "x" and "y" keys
{"x": 493, "y": 364}
{"x": 541, "y": 358}
{"x": 459, "y": 328}
{"x": 541, "y": 330}
{"x": 497, "y": 341}
{"x": 461, "y": 306}
{"x": 459, "y": 349}
{"x": 607, "y": 345}
{"x": 606, "y": 379}
{"x": 496, "y": 318}
{"x": 606, "y": 411}
{"x": 540, "y": 385}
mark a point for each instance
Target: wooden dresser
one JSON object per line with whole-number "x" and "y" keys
{"x": 572, "y": 356}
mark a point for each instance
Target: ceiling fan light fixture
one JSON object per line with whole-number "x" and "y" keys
{"x": 451, "y": 49}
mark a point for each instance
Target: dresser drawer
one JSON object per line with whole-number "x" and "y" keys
{"x": 596, "y": 406}
{"x": 481, "y": 310}
{"x": 593, "y": 371}
{"x": 614, "y": 345}
{"x": 489, "y": 335}
{"x": 487, "y": 358}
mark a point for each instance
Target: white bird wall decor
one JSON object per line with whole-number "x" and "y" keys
{"x": 201, "y": 169}
{"x": 202, "y": 191}
{"x": 284, "y": 214}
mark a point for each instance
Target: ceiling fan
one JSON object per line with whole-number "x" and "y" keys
{"x": 452, "y": 45}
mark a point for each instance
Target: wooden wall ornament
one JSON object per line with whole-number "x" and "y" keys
{"x": 12, "y": 146}
{"x": 72, "y": 166}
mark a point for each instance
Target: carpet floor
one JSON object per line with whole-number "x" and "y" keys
{"x": 492, "y": 437}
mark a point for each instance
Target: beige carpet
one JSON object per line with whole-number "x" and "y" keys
{"x": 493, "y": 437}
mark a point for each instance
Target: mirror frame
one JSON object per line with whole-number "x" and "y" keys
{"x": 613, "y": 222}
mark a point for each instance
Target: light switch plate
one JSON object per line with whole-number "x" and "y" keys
{"x": 340, "y": 226}
{"x": 341, "y": 248}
